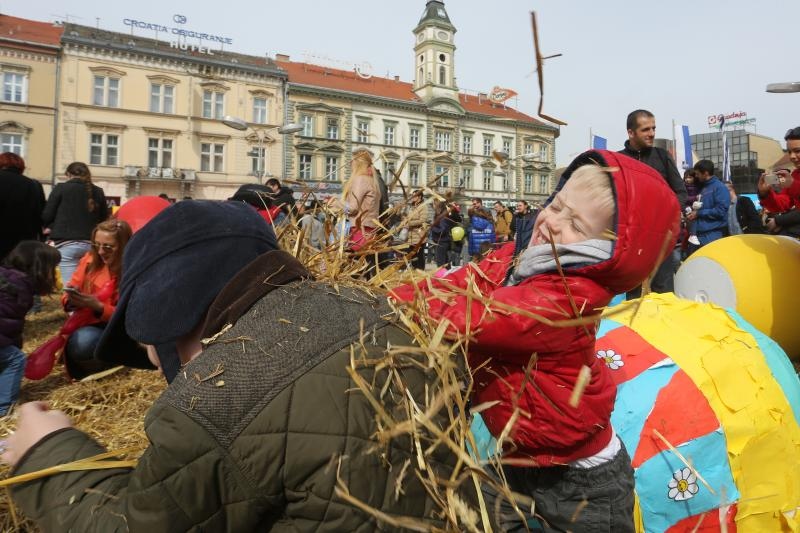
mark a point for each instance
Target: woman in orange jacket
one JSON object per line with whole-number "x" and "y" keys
{"x": 93, "y": 288}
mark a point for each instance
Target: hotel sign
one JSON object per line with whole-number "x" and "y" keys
{"x": 179, "y": 32}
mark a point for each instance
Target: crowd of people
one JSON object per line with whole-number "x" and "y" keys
{"x": 205, "y": 286}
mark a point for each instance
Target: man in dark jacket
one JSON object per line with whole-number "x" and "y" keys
{"x": 641, "y": 126}
{"x": 21, "y": 204}
{"x": 282, "y": 196}
{"x": 264, "y": 428}
{"x": 523, "y": 226}
{"x": 711, "y": 215}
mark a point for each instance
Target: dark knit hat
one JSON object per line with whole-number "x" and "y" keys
{"x": 173, "y": 269}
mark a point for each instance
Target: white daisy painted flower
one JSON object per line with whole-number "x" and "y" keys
{"x": 683, "y": 485}
{"x": 612, "y": 359}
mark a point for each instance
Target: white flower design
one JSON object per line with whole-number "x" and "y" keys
{"x": 612, "y": 359}
{"x": 683, "y": 485}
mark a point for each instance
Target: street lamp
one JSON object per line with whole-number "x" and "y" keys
{"x": 784, "y": 87}
{"x": 240, "y": 125}
{"x": 504, "y": 159}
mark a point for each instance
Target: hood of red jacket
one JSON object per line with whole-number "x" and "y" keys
{"x": 646, "y": 221}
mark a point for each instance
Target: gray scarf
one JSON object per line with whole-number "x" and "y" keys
{"x": 539, "y": 258}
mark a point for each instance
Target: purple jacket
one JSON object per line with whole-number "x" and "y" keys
{"x": 16, "y": 299}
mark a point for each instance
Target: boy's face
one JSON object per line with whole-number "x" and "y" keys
{"x": 571, "y": 217}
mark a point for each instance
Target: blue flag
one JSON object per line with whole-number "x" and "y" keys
{"x": 599, "y": 143}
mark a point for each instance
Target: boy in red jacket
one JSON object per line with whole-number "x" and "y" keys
{"x": 609, "y": 221}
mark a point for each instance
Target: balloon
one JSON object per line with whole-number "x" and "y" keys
{"x": 457, "y": 233}
{"x": 140, "y": 210}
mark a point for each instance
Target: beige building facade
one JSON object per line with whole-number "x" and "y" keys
{"x": 147, "y": 115}
{"x": 426, "y": 133}
{"x": 28, "y": 72}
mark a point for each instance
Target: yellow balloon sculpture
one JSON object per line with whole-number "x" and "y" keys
{"x": 753, "y": 274}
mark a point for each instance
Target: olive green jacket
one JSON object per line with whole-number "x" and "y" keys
{"x": 259, "y": 446}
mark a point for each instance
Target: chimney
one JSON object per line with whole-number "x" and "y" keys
{"x": 282, "y": 57}
{"x": 482, "y": 96}
{"x": 397, "y": 78}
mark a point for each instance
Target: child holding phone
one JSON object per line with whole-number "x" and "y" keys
{"x": 28, "y": 269}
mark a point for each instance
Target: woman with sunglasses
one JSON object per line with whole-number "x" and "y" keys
{"x": 94, "y": 287}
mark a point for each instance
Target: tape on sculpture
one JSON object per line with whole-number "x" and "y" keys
{"x": 753, "y": 274}
{"x": 707, "y": 407}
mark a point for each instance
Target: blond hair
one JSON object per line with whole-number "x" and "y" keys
{"x": 362, "y": 162}
{"x": 598, "y": 183}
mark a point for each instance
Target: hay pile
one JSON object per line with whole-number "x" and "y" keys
{"x": 111, "y": 409}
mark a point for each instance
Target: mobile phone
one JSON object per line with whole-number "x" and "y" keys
{"x": 71, "y": 290}
{"x": 772, "y": 180}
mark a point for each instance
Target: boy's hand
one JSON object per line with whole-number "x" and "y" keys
{"x": 36, "y": 421}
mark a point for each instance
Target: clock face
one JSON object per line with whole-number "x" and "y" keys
{"x": 420, "y": 38}
{"x": 442, "y": 35}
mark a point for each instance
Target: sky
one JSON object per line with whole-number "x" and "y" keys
{"x": 681, "y": 59}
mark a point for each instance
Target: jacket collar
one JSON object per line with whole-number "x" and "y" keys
{"x": 264, "y": 274}
{"x": 644, "y": 151}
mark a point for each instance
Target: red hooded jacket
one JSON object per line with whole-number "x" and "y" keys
{"x": 548, "y": 430}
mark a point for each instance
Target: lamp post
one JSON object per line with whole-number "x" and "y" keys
{"x": 504, "y": 159}
{"x": 240, "y": 125}
{"x": 784, "y": 87}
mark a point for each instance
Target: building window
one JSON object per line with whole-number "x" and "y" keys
{"x": 488, "y": 141}
{"x": 543, "y": 183}
{"x": 333, "y": 128}
{"x": 260, "y": 110}
{"x": 162, "y": 98}
{"x": 104, "y": 149}
{"x": 542, "y": 152}
{"x": 388, "y": 134}
{"x": 507, "y": 146}
{"x": 466, "y": 178}
{"x": 414, "y": 138}
{"x": 305, "y": 166}
{"x": 442, "y": 76}
{"x": 528, "y": 183}
{"x": 331, "y": 168}
{"x": 307, "y": 122}
{"x": 11, "y": 142}
{"x": 466, "y": 144}
{"x": 442, "y": 141}
{"x": 389, "y": 168}
{"x": 212, "y": 157}
{"x": 362, "y": 131}
{"x": 506, "y": 183}
{"x": 159, "y": 152}
{"x": 442, "y": 176}
{"x": 106, "y": 91}
{"x": 258, "y": 158}
{"x": 212, "y": 104}
{"x": 487, "y": 180}
{"x": 15, "y": 87}
{"x": 413, "y": 175}
{"x": 528, "y": 148}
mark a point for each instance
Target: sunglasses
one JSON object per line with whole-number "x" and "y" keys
{"x": 104, "y": 247}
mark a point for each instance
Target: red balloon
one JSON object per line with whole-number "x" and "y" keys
{"x": 140, "y": 210}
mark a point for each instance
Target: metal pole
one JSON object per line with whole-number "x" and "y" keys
{"x": 262, "y": 156}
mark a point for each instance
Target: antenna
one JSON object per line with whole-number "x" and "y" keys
{"x": 66, "y": 17}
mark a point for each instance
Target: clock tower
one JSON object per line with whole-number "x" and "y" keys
{"x": 434, "y": 55}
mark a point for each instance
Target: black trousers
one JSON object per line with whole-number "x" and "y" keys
{"x": 585, "y": 500}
